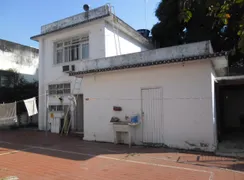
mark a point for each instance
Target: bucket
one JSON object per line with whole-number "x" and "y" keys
{"x": 134, "y": 119}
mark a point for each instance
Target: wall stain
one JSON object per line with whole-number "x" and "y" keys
{"x": 190, "y": 144}
{"x": 22, "y": 55}
{"x": 204, "y": 144}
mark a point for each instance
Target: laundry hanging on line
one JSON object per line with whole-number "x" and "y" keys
{"x": 30, "y": 105}
{"x": 8, "y": 115}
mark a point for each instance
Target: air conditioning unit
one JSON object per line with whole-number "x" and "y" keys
{"x": 68, "y": 68}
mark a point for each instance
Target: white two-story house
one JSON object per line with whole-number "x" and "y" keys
{"x": 64, "y": 44}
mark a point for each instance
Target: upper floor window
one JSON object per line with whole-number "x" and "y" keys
{"x": 72, "y": 49}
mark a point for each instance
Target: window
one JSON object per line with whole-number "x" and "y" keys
{"x": 58, "y": 108}
{"x": 59, "y": 89}
{"x": 59, "y": 54}
{"x": 66, "y": 88}
{"x": 85, "y": 51}
{"x": 72, "y": 50}
{"x": 4, "y": 81}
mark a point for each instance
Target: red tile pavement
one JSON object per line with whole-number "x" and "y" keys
{"x": 32, "y": 155}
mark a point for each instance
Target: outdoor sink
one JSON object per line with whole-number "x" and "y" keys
{"x": 121, "y": 123}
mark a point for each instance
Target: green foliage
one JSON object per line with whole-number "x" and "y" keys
{"x": 241, "y": 43}
{"x": 186, "y": 21}
{"x": 18, "y": 88}
{"x": 15, "y": 79}
{"x": 168, "y": 30}
{"x": 227, "y": 10}
{"x": 185, "y": 16}
{"x": 239, "y": 1}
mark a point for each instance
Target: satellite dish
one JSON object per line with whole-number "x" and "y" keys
{"x": 86, "y": 7}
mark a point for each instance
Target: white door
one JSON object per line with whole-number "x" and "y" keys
{"x": 152, "y": 109}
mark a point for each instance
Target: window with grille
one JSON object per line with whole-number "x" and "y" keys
{"x": 58, "y": 108}
{"x": 59, "y": 89}
{"x": 73, "y": 49}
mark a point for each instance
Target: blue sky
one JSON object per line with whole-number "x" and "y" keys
{"x": 21, "y": 19}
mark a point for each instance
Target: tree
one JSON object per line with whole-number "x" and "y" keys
{"x": 15, "y": 79}
{"x": 169, "y": 30}
{"x": 231, "y": 14}
{"x": 186, "y": 21}
{"x": 17, "y": 88}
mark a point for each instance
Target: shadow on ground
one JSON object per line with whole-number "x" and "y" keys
{"x": 74, "y": 148}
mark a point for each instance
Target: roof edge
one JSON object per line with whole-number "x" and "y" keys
{"x": 153, "y": 63}
{"x": 35, "y": 38}
{"x": 124, "y": 27}
{"x": 107, "y": 13}
{"x": 22, "y": 45}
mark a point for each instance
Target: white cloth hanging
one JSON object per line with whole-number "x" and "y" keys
{"x": 30, "y": 105}
{"x": 73, "y": 102}
{"x": 8, "y": 114}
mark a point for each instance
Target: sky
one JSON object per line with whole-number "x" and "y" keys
{"x": 21, "y": 19}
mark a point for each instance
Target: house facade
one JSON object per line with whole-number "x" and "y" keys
{"x": 172, "y": 90}
{"x": 111, "y": 70}
{"x": 19, "y": 58}
{"x": 64, "y": 44}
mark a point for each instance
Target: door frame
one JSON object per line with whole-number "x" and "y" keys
{"x": 75, "y": 111}
{"x": 142, "y": 115}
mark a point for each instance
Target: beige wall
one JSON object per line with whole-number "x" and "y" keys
{"x": 187, "y": 102}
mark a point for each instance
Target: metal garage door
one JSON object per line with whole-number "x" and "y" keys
{"x": 152, "y": 109}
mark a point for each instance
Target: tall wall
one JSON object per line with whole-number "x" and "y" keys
{"x": 22, "y": 58}
{"x": 124, "y": 43}
{"x": 187, "y": 102}
{"x": 51, "y": 73}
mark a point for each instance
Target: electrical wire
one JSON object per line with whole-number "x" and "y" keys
{"x": 139, "y": 99}
{"x": 145, "y": 4}
{"x": 44, "y": 93}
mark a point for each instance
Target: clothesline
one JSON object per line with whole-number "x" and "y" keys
{"x": 22, "y": 100}
{"x": 32, "y": 97}
{"x": 8, "y": 111}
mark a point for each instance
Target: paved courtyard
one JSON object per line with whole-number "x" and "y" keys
{"x": 26, "y": 154}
